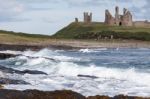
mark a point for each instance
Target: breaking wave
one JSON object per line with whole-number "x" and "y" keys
{"x": 64, "y": 68}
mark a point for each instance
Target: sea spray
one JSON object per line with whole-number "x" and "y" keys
{"x": 123, "y": 71}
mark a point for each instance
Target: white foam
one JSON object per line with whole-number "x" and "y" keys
{"x": 92, "y": 50}
{"x": 63, "y": 75}
{"x": 2, "y": 74}
{"x": 11, "y": 52}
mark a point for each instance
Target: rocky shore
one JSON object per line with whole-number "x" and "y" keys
{"x": 57, "y": 44}
{"x": 64, "y": 94}
{"x": 34, "y": 47}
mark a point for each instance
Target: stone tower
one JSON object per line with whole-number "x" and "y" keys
{"x": 76, "y": 20}
{"x": 117, "y": 15}
{"x": 87, "y": 17}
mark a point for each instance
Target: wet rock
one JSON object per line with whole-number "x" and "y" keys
{"x": 33, "y": 72}
{"x": 116, "y": 97}
{"x": 88, "y": 76}
{"x": 35, "y": 94}
{"x": 42, "y": 57}
{"x": 64, "y": 94}
{"x": 6, "y": 55}
{"x": 37, "y": 47}
{"x": 98, "y": 97}
{"x": 10, "y": 70}
{"x": 11, "y": 81}
{"x": 128, "y": 97}
{"x": 19, "y": 47}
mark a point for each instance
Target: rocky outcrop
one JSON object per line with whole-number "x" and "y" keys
{"x": 10, "y": 70}
{"x": 6, "y": 55}
{"x": 19, "y": 47}
{"x": 64, "y": 94}
{"x": 15, "y": 47}
{"x": 116, "y": 97}
{"x": 12, "y": 81}
{"x": 35, "y": 94}
{"x": 87, "y": 76}
{"x": 98, "y": 97}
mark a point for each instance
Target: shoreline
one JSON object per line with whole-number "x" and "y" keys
{"x": 74, "y": 44}
{"x": 67, "y": 45}
{"x": 57, "y": 94}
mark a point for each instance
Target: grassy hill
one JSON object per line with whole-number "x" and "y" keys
{"x": 13, "y": 37}
{"x": 98, "y": 30}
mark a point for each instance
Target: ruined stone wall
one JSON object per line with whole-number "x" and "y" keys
{"x": 127, "y": 19}
{"x": 87, "y": 17}
{"x": 109, "y": 20}
{"x": 119, "y": 20}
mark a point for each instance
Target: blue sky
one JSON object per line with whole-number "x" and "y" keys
{"x": 48, "y": 16}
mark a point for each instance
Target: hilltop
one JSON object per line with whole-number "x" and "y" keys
{"x": 119, "y": 26}
{"x": 98, "y": 30}
{"x": 76, "y": 35}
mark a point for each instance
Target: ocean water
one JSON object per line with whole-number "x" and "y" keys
{"x": 118, "y": 70}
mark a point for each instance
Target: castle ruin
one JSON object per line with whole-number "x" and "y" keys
{"x": 87, "y": 17}
{"x": 124, "y": 19}
{"x": 119, "y": 20}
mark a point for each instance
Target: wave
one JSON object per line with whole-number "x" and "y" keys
{"x": 92, "y": 50}
{"x": 63, "y": 74}
{"x": 110, "y": 81}
{"x": 11, "y": 52}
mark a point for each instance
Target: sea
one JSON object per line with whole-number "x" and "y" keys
{"x": 100, "y": 71}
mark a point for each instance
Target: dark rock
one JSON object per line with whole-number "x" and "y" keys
{"x": 98, "y": 97}
{"x": 64, "y": 94}
{"x": 128, "y": 97}
{"x": 116, "y": 97}
{"x": 35, "y": 94}
{"x": 88, "y": 76}
{"x": 33, "y": 72}
{"x": 11, "y": 81}
{"x": 16, "y": 47}
{"x": 6, "y": 55}
{"x": 10, "y": 70}
{"x": 19, "y": 47}
{"x": 42, "y": 57}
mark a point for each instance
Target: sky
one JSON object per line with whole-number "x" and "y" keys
{"x": 48, "y": 16}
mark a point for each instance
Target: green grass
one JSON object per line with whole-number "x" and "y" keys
{"x": 23, "y": 34}
{"x": 22, "y": 38}
{"x": 97, "y": 30}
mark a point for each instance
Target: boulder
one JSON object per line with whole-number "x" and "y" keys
{"x": 11, "y": 81}
{"x": 10, "y": 70}
{"x": 6, "y": 55}
{"x": 88, "y": 76}
{"x": 35, "y": 94}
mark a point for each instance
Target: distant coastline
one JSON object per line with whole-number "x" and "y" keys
{"x": 75, "y": 44}
{"x": 22, "y": 41}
